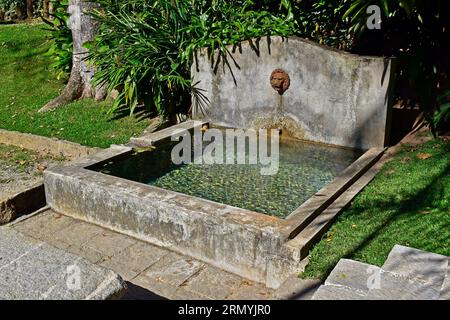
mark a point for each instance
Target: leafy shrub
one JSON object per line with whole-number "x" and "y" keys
{"x": 6, "y": 5}
{"x": 417, "y": 33}
{"x": 441, "y": 117}
{"x": 322, "y": 21}
{"x": 145, "y": 48}
{"x": 61, "y": 46}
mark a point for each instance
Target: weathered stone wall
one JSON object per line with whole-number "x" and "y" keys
{"x": 334, "y": 97}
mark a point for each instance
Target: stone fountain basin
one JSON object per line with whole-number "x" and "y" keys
{"x": 257, "y": 246}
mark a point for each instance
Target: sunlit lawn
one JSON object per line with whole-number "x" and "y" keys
{"x": 26, "y": 84}
{"x": 408, "y": 203}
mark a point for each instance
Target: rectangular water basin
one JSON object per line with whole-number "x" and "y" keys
{"x": 303, "y": 169}
{"x": 226, "y": 215}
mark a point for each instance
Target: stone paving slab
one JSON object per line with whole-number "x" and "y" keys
{"x": 77, "y": 233}
{"x": 353, "y": 274}
{"x": 417, "y": 265}
{"x": 174, "y": 269}
{"x": 134, "y": 260}
{"x": 31, "y": 269}
{"x": 183, "y": 294}
{"x": 152, "y": 272}
{"x": 86, "y": 252}
{"x": 332, "y": 292}
{"x": 445, "y": 290}
{"x": 394, "y": 287}
{"x": 208, "y": 281}
{"x": 110, "y": 243}
{"x": 157, "y": 287}
{"x": 44, "y": 225}
{"x": 412, "y": 275}
{"x": 251, "y": 291}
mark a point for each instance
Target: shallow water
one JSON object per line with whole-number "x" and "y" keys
{"x": 304, "y": 169}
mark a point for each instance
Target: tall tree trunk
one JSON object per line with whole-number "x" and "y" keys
{"x": 2, "y": 15}
{"x": 79, "y": 86}
{"x": 29, "y": 9}
{"x": 45, "y": 8}
{"x": 50, "y": 10}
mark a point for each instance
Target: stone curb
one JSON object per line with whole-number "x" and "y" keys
{"x": 44, "y": 145}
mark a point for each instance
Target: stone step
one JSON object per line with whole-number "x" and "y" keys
{"x": 354, "y": 275}
{"x": 31, "y": 269}
{"x": 332, "y": 292}
{"x": 445, "y": 290}
{"x": 417, "y": 265}
{"x": 395, "y": 287}
{"x": 408, "y": 274}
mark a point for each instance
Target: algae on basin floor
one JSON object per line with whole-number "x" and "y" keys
{"x": 304, "y": 169}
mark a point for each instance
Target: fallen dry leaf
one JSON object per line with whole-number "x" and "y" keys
{"x": 424, "y": 156}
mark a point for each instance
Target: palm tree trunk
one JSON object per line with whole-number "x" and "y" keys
{"x": 29, "y": 9}
{"x": 79, "y": 86}
{"x": 45, "y": 8}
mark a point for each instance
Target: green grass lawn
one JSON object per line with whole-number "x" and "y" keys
{"x": 26, "y": 84}
{"x": 408, "y": 203}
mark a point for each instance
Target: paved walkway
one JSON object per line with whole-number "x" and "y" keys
{"x": 152, "y": 272}
{"x": 32, "y": 269}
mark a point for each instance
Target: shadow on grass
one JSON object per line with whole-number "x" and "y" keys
{"x": 140, "y": 113}
{"x": 419, "y": 219}
{"x": 419, "y": 201}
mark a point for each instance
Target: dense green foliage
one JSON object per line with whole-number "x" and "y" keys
{"x": 61, "y": 46}
{"x": 26, "y": 84}
{"x": 20, "y": 7}
{"x": 441, "y": 117}
{"x": 417, "y": 33}
{"x": 322, "y": 21}
{"x": 6, "y": 5}
{"x": 408, "y": 203}
{"x": 152, "y": 44}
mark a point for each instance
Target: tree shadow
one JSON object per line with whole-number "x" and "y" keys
{"x": 415, "y": 202}
{"x": 135, "y": 292}
{"x": 140, "y": 114}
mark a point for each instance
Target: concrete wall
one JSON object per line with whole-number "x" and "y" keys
{"x": 334, "y": 97}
